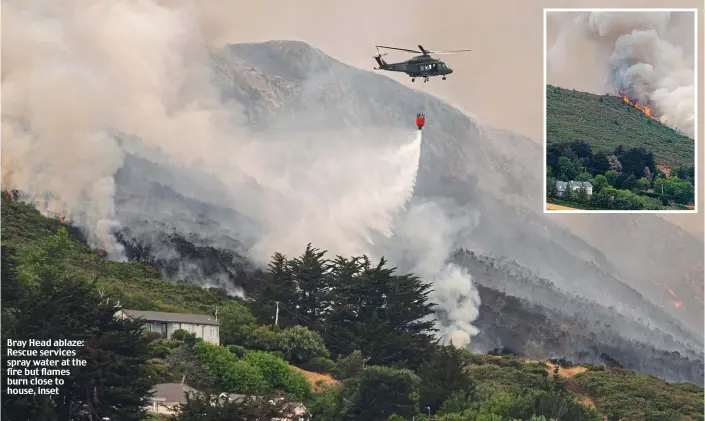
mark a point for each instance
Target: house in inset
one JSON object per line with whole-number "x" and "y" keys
{"x": 575, "y": 186}
{"x": 203, "y": 326}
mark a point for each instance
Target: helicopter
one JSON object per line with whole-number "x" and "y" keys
{"x": 423, "y": 65}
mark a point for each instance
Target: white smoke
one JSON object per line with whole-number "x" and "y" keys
{"x": 77, "y": 73}
{"x": 338, "y": 196}
{"x": 425, "y": 236}
{"x": 643, "y": 58}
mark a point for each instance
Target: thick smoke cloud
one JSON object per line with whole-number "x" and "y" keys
{"x": 642, "y": 54}
{"x": 85, "y": 84}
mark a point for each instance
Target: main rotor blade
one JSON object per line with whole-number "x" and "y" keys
{"x": 400, "y": 49}
{"x": 449, "y": 52}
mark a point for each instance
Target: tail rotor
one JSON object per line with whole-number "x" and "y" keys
{"x": 379, "y": 59}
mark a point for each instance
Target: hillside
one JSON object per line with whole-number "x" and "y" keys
{"x": 605, "y": 122}
{"x": 496, "y": 379}
{"x": 189, "y": 226}
{"x": 289, "y": 87}
{"x": 544, "y": 328}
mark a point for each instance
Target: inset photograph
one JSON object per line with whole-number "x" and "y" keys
{"x": 620, "y": 110}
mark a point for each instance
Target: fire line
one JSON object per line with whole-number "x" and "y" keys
{"x": 643, "y": 108}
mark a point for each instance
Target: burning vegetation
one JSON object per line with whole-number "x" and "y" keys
{"x": 643, "y": 108}
{"x": 675, "y": 302}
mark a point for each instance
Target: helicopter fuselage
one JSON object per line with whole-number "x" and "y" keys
{"x": 423, "y": 66}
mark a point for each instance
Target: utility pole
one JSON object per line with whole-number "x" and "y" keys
{"x": 276, "y": 315}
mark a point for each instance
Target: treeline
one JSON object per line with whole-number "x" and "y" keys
{"x": 361, "y": 322}
{"x": 625, "y": 179}
{"x": 387, "y": 361}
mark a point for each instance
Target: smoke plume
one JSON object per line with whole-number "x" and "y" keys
{"x": 647, "y": 56}
{"x": 87, "y": 84}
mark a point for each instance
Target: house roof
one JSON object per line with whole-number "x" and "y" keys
{"x": 585, "y": 184}
{"x": 171, "y": 392}
{"x": 160, "y": 316}
{"x": 563, "y": 184}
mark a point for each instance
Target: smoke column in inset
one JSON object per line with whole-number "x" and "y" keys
{"x": 646, "y": 56}
{"x": 79, "y": 74}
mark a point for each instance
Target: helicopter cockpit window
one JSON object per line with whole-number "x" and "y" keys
{"x": 433, "y": 66}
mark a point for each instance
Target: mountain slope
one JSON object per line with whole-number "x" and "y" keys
{"x": 605, "y": 122}
{"x": 196, "y": 231}
{"x": 289, "y": 86}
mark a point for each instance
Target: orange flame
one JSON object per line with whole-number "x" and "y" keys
{"x": 671, "y": 292}
{"x": 9, "y": 194}
{"x": 643, "y": 108}
{"x": 101, "y": 252}
{"x": 62, "y": 218}
{"x": 677, "y": 304}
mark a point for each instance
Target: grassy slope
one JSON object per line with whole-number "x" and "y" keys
{"x": 572, "y": 115}
{"x": 620, "y": 394}
{"x": 137, "y": 286}
{"x": 141, "y": 287}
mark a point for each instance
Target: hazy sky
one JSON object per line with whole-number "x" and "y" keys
{"x": 500, "y": 82}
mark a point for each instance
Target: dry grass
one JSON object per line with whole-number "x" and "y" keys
{"x": 318, "y": 381}
{"x": 566, "y": 372}
{"x": 553, "y": 206}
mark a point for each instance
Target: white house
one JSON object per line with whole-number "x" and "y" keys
{"x": 574, "y": 185}
{"x": 202, "y": 325}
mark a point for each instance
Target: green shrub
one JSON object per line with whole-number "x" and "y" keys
{"x": 323, "y": 405}
{"x": 153, "y": 336}
{"x": 237, "y": 350}
{"x": 236, "y": 324}
{"x": 160, "y": 351}
{"x": 319, "y": 365}
{"x": 232, "y": 374}
{"x": 262, "y": 338}
{"x": 301, "y": 345}
{"x": 162, "y": 348}
{"x": 350, "y": 365}
{"x": 179, "y": 334}
{"x": 278, "y": 374}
